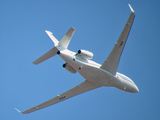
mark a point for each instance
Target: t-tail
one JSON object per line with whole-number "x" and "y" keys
{"x": 59, "y": 45}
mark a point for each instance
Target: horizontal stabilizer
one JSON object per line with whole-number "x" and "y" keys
{"x": 46, "y": 56}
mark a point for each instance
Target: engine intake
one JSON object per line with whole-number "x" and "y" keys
{"x": 69, "y": 68}
{"x": 85, "y": 54}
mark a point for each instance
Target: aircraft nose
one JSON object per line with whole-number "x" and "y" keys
{"x": 135, "y": 90}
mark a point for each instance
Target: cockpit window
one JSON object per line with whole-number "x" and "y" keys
{"x": 124, "y": 77}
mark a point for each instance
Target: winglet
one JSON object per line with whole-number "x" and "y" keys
{"x": 131, "y": 8}
{"x": 17, "y": 110}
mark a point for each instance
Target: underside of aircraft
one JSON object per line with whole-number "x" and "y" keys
{"x": 95, "y": 75}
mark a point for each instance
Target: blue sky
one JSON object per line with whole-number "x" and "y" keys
{"x": 98, "y": 25}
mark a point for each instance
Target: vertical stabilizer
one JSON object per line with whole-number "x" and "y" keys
{"x": 67, "y": 38}
{"x": 63, "y": 44}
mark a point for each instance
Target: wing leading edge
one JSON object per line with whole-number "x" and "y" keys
{"x": 112, "y": 61}
{"x": 83, "y": 87}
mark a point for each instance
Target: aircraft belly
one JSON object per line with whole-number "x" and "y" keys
{"x": 90, "y": 72}
{"x": 95, "y": 75}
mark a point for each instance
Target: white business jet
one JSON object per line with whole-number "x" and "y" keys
{"x": 95, "y": 75}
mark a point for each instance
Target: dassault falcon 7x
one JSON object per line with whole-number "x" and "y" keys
{"x": 95, "y": 75}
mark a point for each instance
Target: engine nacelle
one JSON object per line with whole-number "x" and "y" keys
{"x": 85, "y": 54}
{"x": 69, "y": 68}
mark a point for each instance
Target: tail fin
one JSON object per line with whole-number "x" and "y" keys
{"x": 64, "y": 41}
{"x": 67, "y": 38}
{"x": 63, "y": 44}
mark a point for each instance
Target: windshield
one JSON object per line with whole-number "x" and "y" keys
{"x": 124, "y": 77}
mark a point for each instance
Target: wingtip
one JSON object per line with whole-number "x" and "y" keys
{"x": 17, "y": 110}
{"x": 73, "y": 28}
{"x": 131, "y": 8}
{"x": 34, "y": 63}
{"x": 48, "y": 32}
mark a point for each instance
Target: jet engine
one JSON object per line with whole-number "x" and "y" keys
{"x": 69, "y": 68}
{"x": 84, "y": 54}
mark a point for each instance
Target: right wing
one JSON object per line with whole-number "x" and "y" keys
{"x": 112, "y": 61}
{"x": 83, "y": 87}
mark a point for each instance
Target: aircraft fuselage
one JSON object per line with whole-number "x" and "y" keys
{"x": 92, "y": 72}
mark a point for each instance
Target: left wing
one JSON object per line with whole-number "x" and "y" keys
{"x": 83, "y": 87}
{"x": 112, "y": 61}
